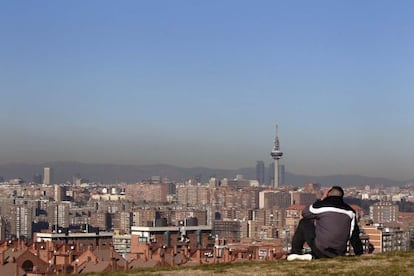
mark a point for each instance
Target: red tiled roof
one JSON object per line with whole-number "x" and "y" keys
{"x": 406, "y": 215}
{"x": 12, "y": 253}
{"x": 10, "y": 269}
{"x": 140, "y": 263}
{"x": 98, "y": 267}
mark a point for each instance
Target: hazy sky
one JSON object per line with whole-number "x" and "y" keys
{"x": 203, "y": 83}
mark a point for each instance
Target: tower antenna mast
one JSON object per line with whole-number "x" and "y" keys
{"x": 276, "y": 154}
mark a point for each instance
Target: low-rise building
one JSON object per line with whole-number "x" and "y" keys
{"x": 170, "y": 236}
{"x": 84, "y": 239}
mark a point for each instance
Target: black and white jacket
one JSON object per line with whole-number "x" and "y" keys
{"x": 335, "y": 224}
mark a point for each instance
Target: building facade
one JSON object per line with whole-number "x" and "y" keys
{"x": 384, "y": 211}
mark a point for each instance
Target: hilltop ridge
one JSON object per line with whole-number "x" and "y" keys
{"x": 395, "y": 263}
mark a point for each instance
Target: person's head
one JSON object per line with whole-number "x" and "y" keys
{"x": 336, "y": 191}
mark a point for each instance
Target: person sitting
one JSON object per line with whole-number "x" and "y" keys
{"x": 326, "y": 227}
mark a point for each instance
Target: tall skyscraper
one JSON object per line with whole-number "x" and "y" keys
{"x": 59, "y": 192}
{"x": 276, "y": 155}
{"x": 47, "y": 176}
{"x": 260, "y": 172}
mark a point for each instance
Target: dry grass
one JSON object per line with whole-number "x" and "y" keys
{"x": 401, "y": 263}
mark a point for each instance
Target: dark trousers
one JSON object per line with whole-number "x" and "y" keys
{"x": 305, "y": 232}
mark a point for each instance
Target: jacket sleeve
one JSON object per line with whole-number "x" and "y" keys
{"x": 307, "y": 214}
{"x": 356, "y": 241}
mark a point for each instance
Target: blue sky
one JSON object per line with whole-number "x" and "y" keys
{"x": 203, "y": 83}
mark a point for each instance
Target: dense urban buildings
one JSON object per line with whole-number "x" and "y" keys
{"x": 79, "y": 226}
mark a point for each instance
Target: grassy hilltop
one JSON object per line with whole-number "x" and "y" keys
{"x": 398, "y": 263}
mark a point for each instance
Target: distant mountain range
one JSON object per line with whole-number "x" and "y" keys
{"x": 110, "y": 173}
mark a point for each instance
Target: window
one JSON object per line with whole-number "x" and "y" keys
{"x": 142, "y": 239}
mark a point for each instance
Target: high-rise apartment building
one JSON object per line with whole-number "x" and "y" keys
{"x": 235, "y": 198}
{"x": 59, "y": 193}
{"x": 58, "y": 215}
{"x": 193, "y": 195}
{"x": 270, "y": 199}
{"x": 147, "y": 192}
{"x": 384, "y": 211}
{"x": 189, "y": 216}
{"x": 263, "y": 224}
{"x": 22, "y": 218}
{"x": 228, "y": 229}
{"x": 122, "y": 221}
{"x": 303, "y": 198}
{"x": 102, "y": 220}
{"x": 293, "y": 216}
{"x": 143, "y": 217}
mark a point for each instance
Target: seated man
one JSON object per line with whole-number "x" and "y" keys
{"x": 326, "y": 227}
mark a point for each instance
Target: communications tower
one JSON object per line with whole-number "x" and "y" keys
{"x": 276, "y": 155}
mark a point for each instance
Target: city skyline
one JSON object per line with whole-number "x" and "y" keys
{"x": 203, "y": 84}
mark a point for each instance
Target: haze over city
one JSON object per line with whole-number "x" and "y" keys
{"x": 192, "y": 83}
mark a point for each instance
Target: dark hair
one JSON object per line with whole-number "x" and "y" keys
{"x": 336, "y": 191}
